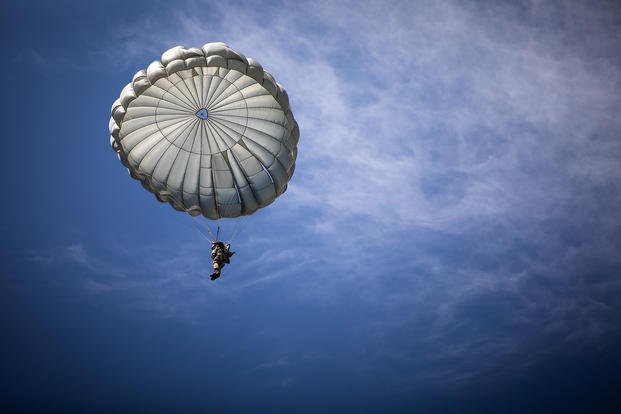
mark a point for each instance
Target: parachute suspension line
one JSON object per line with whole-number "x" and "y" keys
{"x": 210, "y": 231}
{"x": 200, "y": 228}
{"x": 235, "y": 232}
{"x": 201, "y": 233}
{"x": 195, "y": 221}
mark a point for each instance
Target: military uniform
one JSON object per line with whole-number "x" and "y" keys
{"x": 220, "y": 254}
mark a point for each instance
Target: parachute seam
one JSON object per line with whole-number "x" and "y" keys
{"x": 253, "y": 85}
{"x": 191, "y": 101}
{"x": 213, "y": 188}
{"x": 219, "y": 92}
{"x": 210, "y": 96}
{"x": 204, "y": 125}
{"x": 217, "y": 99}
{"x": 251, "y": 184}
{"x": 212, "y": 138}
{"x": 220, "y": 138}
{"x": 246, "y": 127}
{"x": 187, "y": 88}
{"x": 133, "y": 158}
{"x": 218, "y": 112}
{"x": 197, "y": 96}
{"x": 158, "y": 129}
{"x": 206, "y": 92}
{"x": 162, "y": 155}
{"x": 276, "y": 160}
{"x": 186, "y": 169}
{"x": 217, "y": 105}
{"x": 186, "y": 118}
{"x": 200, "y": 167}
{"x": 216, "y": 125}
{"x": 248, "y": 184}
{"x": 201, "y": 94}
{"x": 179, "y": 149}
{"x": 228, "y": 163}
{"x": 167, "y": 91}
{"x": 212, "y": 127}
{"x": 170, "y": 91}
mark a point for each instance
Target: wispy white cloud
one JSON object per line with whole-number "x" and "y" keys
{"x": 280, "y": 362}
{"x": 469, "y": 151}
{"x": 75, "y": 254}
{"x": 31, "y": 56}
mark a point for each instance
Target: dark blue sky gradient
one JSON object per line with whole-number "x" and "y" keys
{"x": 449, "y": 242}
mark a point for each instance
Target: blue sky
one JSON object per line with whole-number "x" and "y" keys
{"x": 449, "y": 242}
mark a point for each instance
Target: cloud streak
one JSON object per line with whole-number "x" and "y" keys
{"x": 458, "y": 174}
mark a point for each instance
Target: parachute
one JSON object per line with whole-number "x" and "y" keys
{"x": 206, "y": 130}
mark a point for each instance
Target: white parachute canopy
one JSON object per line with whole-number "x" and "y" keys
{"x": 207, "y": 130}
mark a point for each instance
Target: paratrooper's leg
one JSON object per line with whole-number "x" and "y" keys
{"x": 216, "y": 270}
